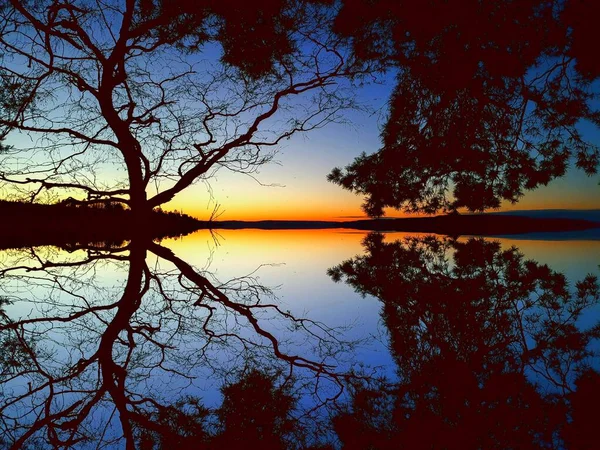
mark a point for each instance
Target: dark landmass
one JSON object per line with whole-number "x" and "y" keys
{"x": 28, "y": 225}
{"x": 454, "y": 225}
{"x": 577, "y": 235}
{"x": 24, "y": 224}
{"x": 579, "y": 214}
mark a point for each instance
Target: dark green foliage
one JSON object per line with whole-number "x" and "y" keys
{"x": 487, "y": 101}
{"x": 254, "y": 35}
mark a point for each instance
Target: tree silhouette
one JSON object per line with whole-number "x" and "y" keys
{"x": 487, "y": 347}
{"x": 167, "y": 91}
{"x": 488, "y": 100}
{"x": 91, "y": 363}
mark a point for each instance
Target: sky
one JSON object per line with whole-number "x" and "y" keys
{"x": 296, "y": 188}
{"x": 299, "y": 189}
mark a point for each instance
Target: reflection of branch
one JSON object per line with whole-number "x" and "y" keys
{"x": 81, "y": 351}
{"x": 212, "y": 293}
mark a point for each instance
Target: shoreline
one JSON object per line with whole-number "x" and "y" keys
{"x": 24, "y": 225}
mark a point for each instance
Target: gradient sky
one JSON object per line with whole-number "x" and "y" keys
{"x": 300, "y": 190}
{"x": 294, "y": 187}
{"x": 303, "y": 193}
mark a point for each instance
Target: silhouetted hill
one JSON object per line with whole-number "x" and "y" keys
{"x": 579, "y": 214}
{"x": 454, "y": 225}
{"x": 27, "y": 224}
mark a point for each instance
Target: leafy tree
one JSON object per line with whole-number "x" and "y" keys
{"x": 164, "y": 92}
{"x": 488, "y": 100}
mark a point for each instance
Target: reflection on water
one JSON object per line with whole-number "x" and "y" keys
{"x": 485, "y": 342}
{"x": 300, "y": 339}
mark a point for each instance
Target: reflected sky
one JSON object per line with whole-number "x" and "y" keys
{"x": 190, "y": 315}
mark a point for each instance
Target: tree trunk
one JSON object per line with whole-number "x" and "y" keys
{"x": 138, "y": 201}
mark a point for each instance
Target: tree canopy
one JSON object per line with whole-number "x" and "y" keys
{"x": 488, "y": 102}
{"x": 135, "y": 100}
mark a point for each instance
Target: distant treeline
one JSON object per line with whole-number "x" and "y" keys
{"x": 452, "y": 225}
{"x": 29, "y": 224}
{"x": 68, "y": 222}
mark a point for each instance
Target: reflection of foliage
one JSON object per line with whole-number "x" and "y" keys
{"x": 14, "y": 355}
{"x": 255, "y": 413}
{"x": 582, "y": 431}
{"x": 486, "y": 343}
{"x": 111, "y": 359}
{"x": 181, "y": 425}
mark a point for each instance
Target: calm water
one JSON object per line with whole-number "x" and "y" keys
{"x": 372, "y": 339}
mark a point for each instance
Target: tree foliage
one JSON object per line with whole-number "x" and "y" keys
{"x": 488, "y": 102}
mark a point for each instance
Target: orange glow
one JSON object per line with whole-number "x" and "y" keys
{"x": 549, "y": 201}
{"x": 338, "y": 240}
{"x": 551, "y": 252}
{"x": 241, "y": 251}
{"x": 261, "y": 211}
{"x": 249, "y": 203}
{"x": 342, "y": 208}
{"x": 244, "y": 251}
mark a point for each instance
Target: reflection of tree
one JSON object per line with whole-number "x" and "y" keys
{"x": 255, "y": 413}
{"x": 487, "y": 347}
{"x": 486, "y": 344}
{"x": 88, "y": 363}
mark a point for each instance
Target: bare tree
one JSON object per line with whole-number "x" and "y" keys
{"x": 134, "y": 101}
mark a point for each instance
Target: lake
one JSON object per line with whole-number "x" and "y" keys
{"x": 307, "y": 338}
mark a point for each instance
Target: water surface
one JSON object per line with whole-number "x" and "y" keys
{"x": 104, "y": 346}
